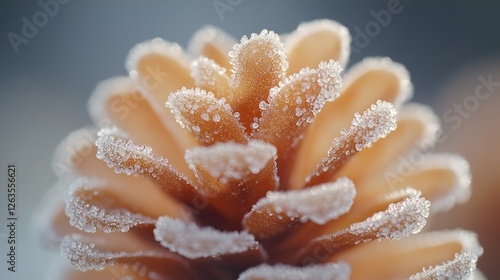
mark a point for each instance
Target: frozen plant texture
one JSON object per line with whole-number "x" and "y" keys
{"x": 257, "y": 160}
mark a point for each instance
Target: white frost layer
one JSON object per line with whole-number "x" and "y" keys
{"x": 401, "y": 219}
{"x": 337, "y": 271}
{"x": 192, "y": 241}
{"x": 232, "y": 161}
{"x": 186, "y": 101}
{"x": 187, "y": 104}
{"x": 84, "y": 255}
{"x": 115, "y": 152}
{"x": 464, "y": 263}
{"x": 327, "y": 76}
{"x": 205, "y": 72}
{"x": 89, "y": 209}
{"x": 373, "y": 124}
{"x": 319, "y": 204}
{"x": 248, "y": 46}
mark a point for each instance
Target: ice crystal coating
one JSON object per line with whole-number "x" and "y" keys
{"x": 462, "y": 267}
{"x": 232, "y": 161}
{"x": 234, "y": 176}
{"x": 303, "y": 94}
{"x": 294, "y": 104}
{"x": 194, "y": 242}
{"x": 87, "y": 255}
{"x": 89, "y": 208}
{"x": 259, "y": 63}
{"x": 373, "y": 124}
{"x": 399, "y": 220}
{"x": 464, "y": 263}
{"x": 210, "y": 120}
{"x": 126, "y": 157}
{"x": 403, "y": 218}
{"x": 338, "y": 271}
{"x": 265, "y": 41}
{"x": 376, "y": 123}
{"x": 319, "y": 204}
{"x": 84, "y": 256}
{"x": 117, "y": 152}
{"x": 207, "y": 74}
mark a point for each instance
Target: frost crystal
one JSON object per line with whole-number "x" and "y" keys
{"x": 373, "y": 124}
{"x": 119, "y": 154}
{"x": 259, "y": 63}
{"x": 89, "y": 208}
{"x": 265, "y": 41}
{"x": 126, "y": 157}
{"x": 194, "y": 242}
{"x": 231, "y": 161}
{"x": 210, "y": 120}
{"x": 85, "y": 256}
{"x": 330, "y": 82}
{"x": 399, "y": 220}
{"x": 210, "y": 76}
{"x": 315, "y": 87}
{"x": 293, "y": 104}
{"x": 464, "y": 263}
{"x": 338, "y": 271}
{"x": 462, "y": 267}
{"x": 319, "y": 204}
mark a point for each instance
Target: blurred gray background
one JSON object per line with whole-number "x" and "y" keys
{"x": 44, "y": 87}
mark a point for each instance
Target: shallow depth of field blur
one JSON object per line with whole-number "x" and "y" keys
{"x": 46, "y": 79}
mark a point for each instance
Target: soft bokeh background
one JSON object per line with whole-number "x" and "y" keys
{"x": 45, "y": 86}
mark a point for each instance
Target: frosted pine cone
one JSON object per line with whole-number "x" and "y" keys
{"x": 276, "y": 170}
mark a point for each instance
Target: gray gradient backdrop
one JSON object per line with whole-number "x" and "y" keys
{"x": 45, "y": 86}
